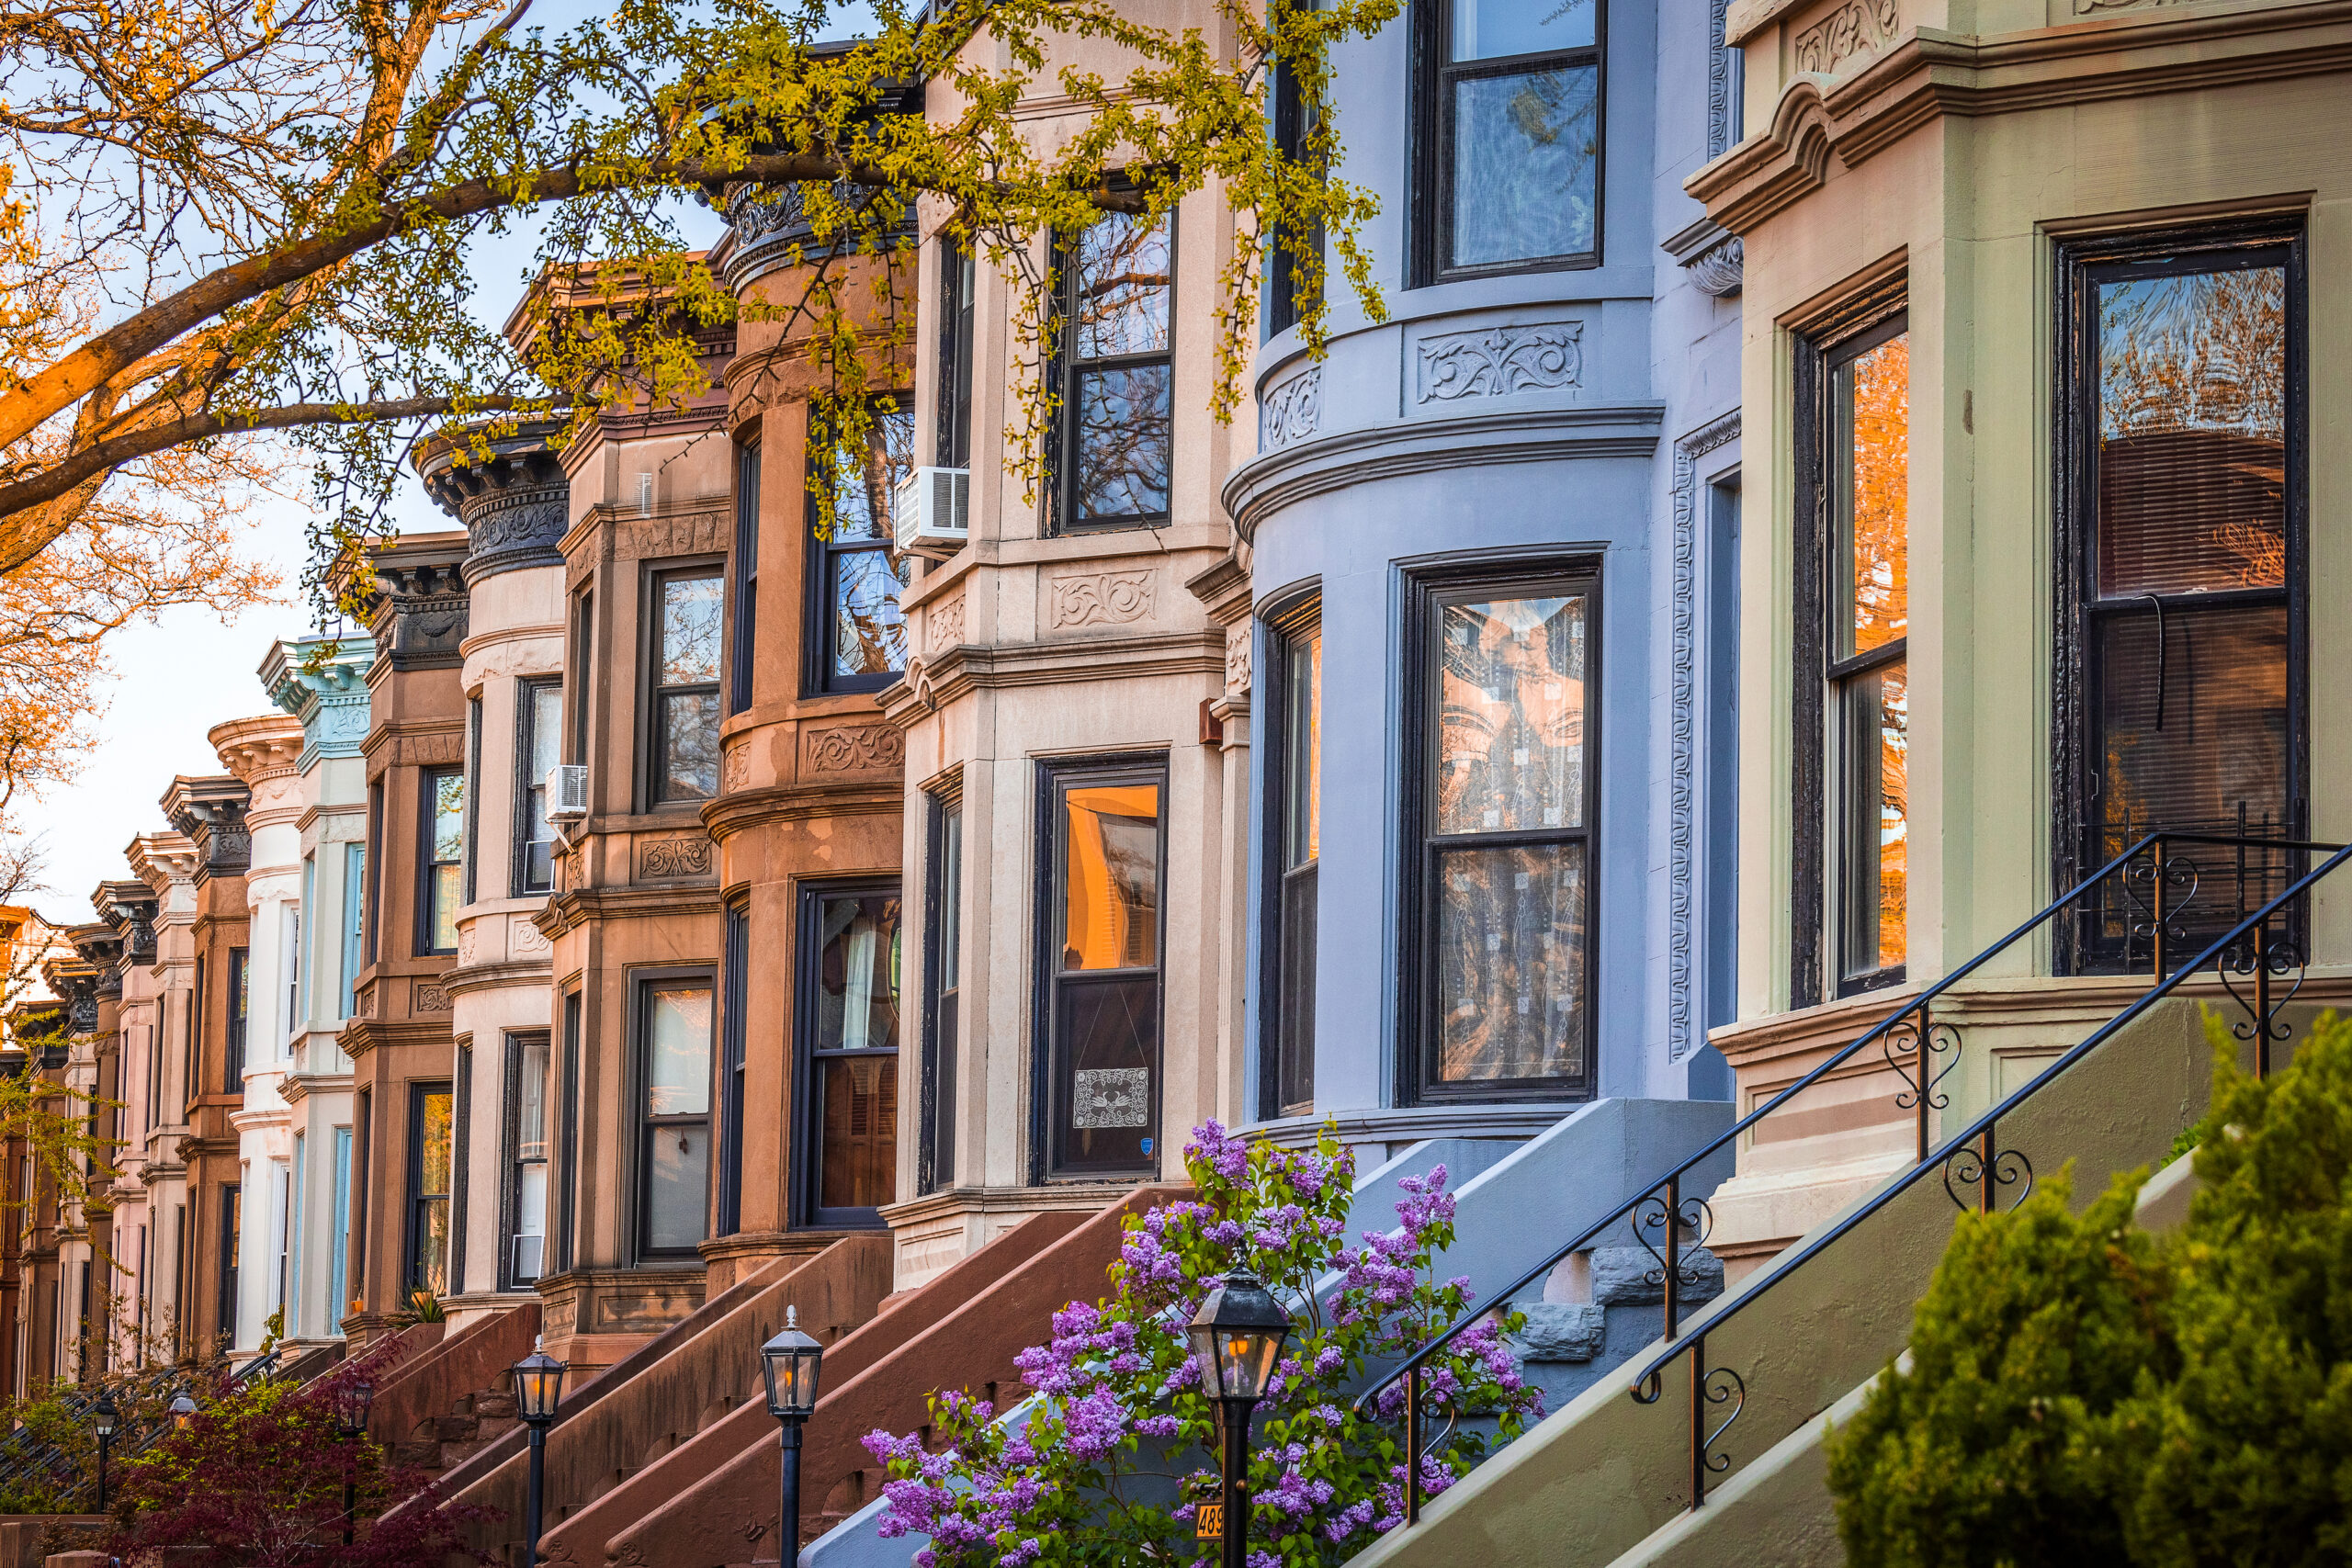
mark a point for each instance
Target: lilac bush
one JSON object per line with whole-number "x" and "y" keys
{"x": 1116, "y": 1456}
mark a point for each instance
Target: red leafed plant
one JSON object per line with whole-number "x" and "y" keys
{"x": 257, "y": 1479}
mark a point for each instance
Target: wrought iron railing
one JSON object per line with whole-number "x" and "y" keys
{"x": 2258, "y": 960}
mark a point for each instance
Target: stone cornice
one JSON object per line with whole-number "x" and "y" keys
{"x": 493, "y": 976}
{"x": 731, "y": 813}
{"x": 929, "y": 685}
{"x": 256, "y": 750}
{"x": 210, "y": 813}
{"x": 512, "y": 496}
{"x": 159, "y": 860}
{"x": 323, "y": 682}
{"x": 416, "y": 608}
{"x": 1928, "y": 74}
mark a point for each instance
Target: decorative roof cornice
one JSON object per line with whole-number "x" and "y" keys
{"x": 100, "y": 946}
{"x": 161, "y": 858}
{"x": 417, "y": 609}
{"x": 129, "y": 909}
{"x": 256, "y": 750}
{"x": 211, "y": 812}
{"x": 511, "y": 493}
{"x": 322, "y": 681}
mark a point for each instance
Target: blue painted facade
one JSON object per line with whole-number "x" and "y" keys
{"x": 1584, "y": 411}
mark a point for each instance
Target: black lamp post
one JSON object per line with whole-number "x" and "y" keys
{"x": 1237, "y": 1338}
{"x": 789, "y": 1361}
{"x": 104, "y": 1418}
{"x": 539, "y": 1386}
{"x": 351, "y": 1405}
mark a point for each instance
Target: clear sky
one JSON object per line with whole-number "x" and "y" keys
{"x": 176, "y": 679}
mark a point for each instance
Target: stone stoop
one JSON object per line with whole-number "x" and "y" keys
{"x": 455, "y": 1397}
{"x": 984, "y": 1315}
{"x": 1597, "y": 1308}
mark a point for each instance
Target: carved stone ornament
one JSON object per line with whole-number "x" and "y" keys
{"x": 439, "y": 748}
{"x": 944, "y": 622}
{"x": 524, "y": 939}
{"x": 1498, "y": 362}
{"x": 851, "y": 748}
{"x": 734, "y": 768}
{"x": 466, "y": 942}
{"x": 1717, "y": 269}
{"x": 652, "y": 538}
{"x": 1101, "y": 599}
{"x": 682, "y": 856}
{"x": 1291, "y": 411}
{"x": 428, "y": 997}
{"x": 1855, "y": 29}
{"x": 1237, "y": 661}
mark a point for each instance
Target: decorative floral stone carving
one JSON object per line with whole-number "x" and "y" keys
{"x": 735, "y": 768}
{"x": 681, "y": 856}
{"x": 466, "y": 944}
{"x": 1497, "y": 362}
{"x": 1857, "y": 27}
{"x": 1717, "y": 270}
{"x": 945, "y": 623}
{"x": 428, "y": 997}
{"x": 438, "y": 748}
{"x": 523, "y": 938}
{"x": 1236, "y": 660}
{"x": 1291, "y": 411}
{"x": 1100, "y": 598}
{"x": 859, "y": 748}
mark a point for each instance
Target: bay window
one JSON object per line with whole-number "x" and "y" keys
{"x": 539, "y": 743}
{"x": 1502, "y": 757}
{"x": 525, "y": 1200}
{"x": 1294, "y": 846}
{"x": 2181, "y": 656}
{"x": 1511, "y": 132}
{"x": 682, "y": 683}
{"x": 1102, "y": 850}
{"x": 849, "y": 1055}
{"x": 442, "y": 851}
{"x": 857, "y": 635}
{"x": 1115, "y": 371}
{"x": 430, "y": 1167}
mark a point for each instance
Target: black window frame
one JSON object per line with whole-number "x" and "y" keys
{"x": 652, "y": 726}
{"x": 461, "y": 1104}
{"x": 1056, "y": 776}
{"x": 192, "y": 1052}
{"x": 735, "y": 967}
{"x": 231, "y": 1238}
{"x": 1288, "y": 619}
{"x": 238, "y": 1007}
{"x": 958, "y": 344}
{"x": 743, "y": 578}
{"x": 644, "y": 1126}
{"x": 943, "y": 925}
{"x": 1426, "y": 588}
{"x": 427, "y": 796}
{"x": 808, "y": 1140}
{"x": 1060, "y": 492}
{"x": 1432, "y": 209}
{"x": 529, "y": 691}
{"x": 2082, "y": 265}
{"x": 1871, "y": 318}
{"x": 563, "y": 1180}
{"x": 471, "y": 850}
{"x": 1285, "y": 297}
{"x": 577, "y": 685}
{"x": 817, "y": 677}
{"x": 413, "y": 1187}
{"x": 511, "y": 1161}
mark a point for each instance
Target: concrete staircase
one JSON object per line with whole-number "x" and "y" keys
{"x": 1514, "y": 1202}
{"x": 1605, "y": 1482}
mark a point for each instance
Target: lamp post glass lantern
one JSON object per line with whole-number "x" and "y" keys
{"x": 1238, "y": 1337}
{"x": 183, "y": 1411}
{"x": 789, "y": 1361}
{"x": 104, "y": 1418}
{"x": 538, "y": 1389}
{"x": 353, "y": 1399}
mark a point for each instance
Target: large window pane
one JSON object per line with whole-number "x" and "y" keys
{"x": 1108, "y": 1046}
{"x": 677, "y": 1065}
{"x": 1124, "y": 441}
{"x": 429, "y": 1193}
{"x": 690, "y": 611}
{"x": 1511, "y": 934}
{"x": 1511, "y": 715}
{"x": 1876, "y": 745}
{"x": 542, "y": 741}
{"x": 1491, "y": 29}
{"x": 2191, "y": 738}
{"x": 1873, "y": 394}
{"x": 1122, "y": 287}
{"x": 869, "y": 631}
{"x": 678, "y": 1185}
{"x": 2192, "y": 453}
{"x": 857, "y": 1003}
{"x": 1300, "y": 845}
{"x": 689, "y": 722}
{"x": 1110, "y": 889}
{"x": 1526, "y": 154}
{"x": 859, "y": 1164}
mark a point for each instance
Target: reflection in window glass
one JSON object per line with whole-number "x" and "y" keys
{"x": 685, "y": 686}
{"x": 429, "y": 1194}
{"x": 854, "y": 1062}
{"x": 1509, "y": 707}
{"x": 859, "y": 574}
{"x": 1870, "y": 500}
{"x": 1301, "y": 850}
{"x": 2194, "y": 726}
{"x": 445, "y": 856}
{"x": 1524, "y": 141}
{"x": 527, "y": 1254}
{"x": 1105, "y": 992}
{"x": 1117, "y": 439}
{"x": 677, "y": 1147}
{"x": 541, "y": 738}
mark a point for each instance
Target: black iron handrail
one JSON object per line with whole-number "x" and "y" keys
{"x": 1984, "y": 1158}
{"x": 1661, "y": 1207}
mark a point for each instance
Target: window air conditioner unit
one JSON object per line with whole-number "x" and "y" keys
{"x": 930, "y": 513}
{"x": 567, "y": 792}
